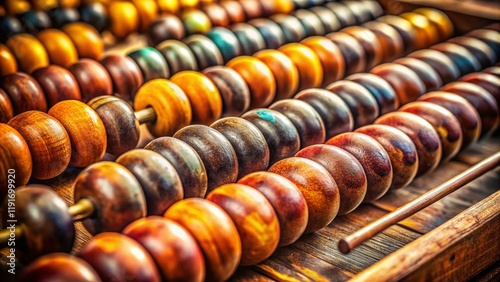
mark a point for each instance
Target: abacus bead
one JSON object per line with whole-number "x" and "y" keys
{"x": 423, "y": 135}
{"x": 226, "y": 41}
{"x": 232, "y": 88}
{"x": 442, "y": 22}
{"x": 461, "y": 57}
{"x": 249, "y": 37}
{"x": 381, "y": 90}
{"x": 164, "y": 28}
{"x": 492, "y": 70}
{"x": 9, "y": 26}
{"x": 59, "y": 267}
{"x": 93, "y": 79}
{"x": 234, "y": 10}
{"x": 307, "y": 62}
{"x": 59, "y": 47}
{"x": 404, "y": 28}
{"x": 305, "y": 119}
{"x": 147, "y": 11}
{"x": 195, "y": 21}
{"x": 441, "y": 63}
{"x": 85, "y": 130}
{"x": 28, "y": 51}
{"x": 87, "y": 40}
{"x": 254, "y": 217}
{"x": 168, "y": 6}
{"x": 151, "y": 63}
{"x": 216, "y": 13}
{"x": 310, "y": 22}
{"x": 327, "y": 18}
{"x": 490, "y": 82}
{"x": 369, "y": 41}
{"x": 215, "y": 233}
{"x": 216, "y": 152}
{"x": 483, "y": 53}
{"x": 177, "y": 55}
{"x": 171, "y": 246}
{"x": 335, "y": 113}
{"x": 284, "y": 70}
{"x": 467, "y": 115}
{"x": 424, "y": 71}
{"x": 404, "y": 81}
{"x": 47, "y": 224}
{"x": 122, "y": 128}
{"x": 24, "y": 92}
{"x": 352, "y": 50}
{"x": 159, "y": 180}
{"x": 317, "y": 186}
{"x": 116, "y": 195}
{"x": 14, "y": 155}
{"x": 123, "y": 18}
{"x": 373, "y": 158}
{"x": 252, "y": 8}
{"x": 6, "y": 109}
{"x": 57, "y": 83}
{"x": 330, "y": 56}
{"x": 345, "y": 169}
{"x": 95, "y": 14}
{"x": 248, "y": 143}
{"x": 427, "y": 32}
{"x": 116, "y": 257}
{"x": 125, "y": 75}
{"x": 205, "y": 51}
{"x": 186, "y": 162}
{"x": 401, "y": 150}
{"x": 360, "y": 11}
{"x": 374, "y": 8}
{"x": 270, "y": 31}
{"x": 389, "y": 39}
{"x": 489, "y": 37}
{"x": 281, "y": 135}
{"x": 363, "y": 106}
{"x": 259, "y": 78}
{"x": 343, "y": 14}
{"x": 8, "y": 62}
{"x": 205, "y": 99}
{"x": 47, "y": 140}
{"x": 291, "y": 27}
{"x": 62, "y": 15}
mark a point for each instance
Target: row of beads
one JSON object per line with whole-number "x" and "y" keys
{"x": 244, "y": 223}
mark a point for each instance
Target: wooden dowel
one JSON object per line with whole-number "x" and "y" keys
{"x": 145, "y": 115}
{"x": 352, "y": 241}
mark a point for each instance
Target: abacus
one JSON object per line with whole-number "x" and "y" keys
{"x": 251, "y": 149}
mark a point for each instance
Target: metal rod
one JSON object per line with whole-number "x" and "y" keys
{"x": 82, "y": 210}
{"x": 145, "y": 115}
{"x": 347, "y": 244}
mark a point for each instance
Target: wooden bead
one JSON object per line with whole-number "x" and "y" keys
{"x": 232, "y": 88}
{"x": 35, "y": 21}
{"x": 59, "y": 47}
{"x": 122, "y": 127}
{"x": 85, "y": 130}
{"x": 427, "y": 33}
{"x": 9, "y": 26}
{"x": 370, "y": 43}
{"x": 59, "y": 266}
{"x": 310, "y": 22}
{"x": 186, "y": 162}
{"x": 259, "y": 78}
{"x": 226, "y": 41}
{"x": 62, "y": 15}
{"x": 389, "y": 39}
{"x": 171, "y": 246}
{"x": 123, "y": 18}
{"x": 249, "y": 37}
{"x": 278, "y": 6}
{"x": 336, "y": 115}
{"x": 446, "y": 124}
{"x": 116, "y": 195}
{"x": 93, "y": 79}
{"x": 58, "y": 84}
{"x": 482, "y": 100}
{"x": 147, "y": 11}
{"x": 205, "y": 51}
{"x": 234, "y": 10}
{"x": 205, "y": 99}
{"x": 404, "y": 81}
{"x": 381, "y": 90}
{"x": 286, "y": 199}
{"x": 125, "y": 75}
{"x": 95, "y": 14}
{"x": 24, "y": 92}
{"x": 28, "y": 51}
{"x": 281, "y": 135}
{"x": 374, "y": 7}
{"x": 330, "y": 56}
{"x": 215, "y": 151}
{"x": 440, "y": 19}
{"x": 317, "y": 186}
{"x": 307, "y": 62}
{"x": 291, "y": 27}
{"x": 14, "y": 156}
{"x": 344, "y": 15}
{"x": 8, "y": 63}
{"x": 359, "y": 10}
{"x": 345, "y": 169}
{"x": 164, "y": 28}
{"x": 195, "y": 21}
{"x": 361, "y": 103}
{"x": 168, "y": 6}
{"x": 115, "y": 257}
{"x": 47, "y": 140}
{"x": 492, "y": 70}
{"x": 327, "y": 18}
{"x": 151, "y": 63}
{"x": 217, "y": 14}
{"x": 177, "y": 55}
{"x": 483, "y": 53}
{"x": 373, "y": 158}
{"x": 461, "y": 57}
{"x": 252, "y": 8}
{"x": 6, "y": 109}
{"x": 423, "y": 135}
{"x": 248, "y": 143}
{"x": 352, "y": 50}
{"x": 47, "y": 224}
{"x": 489, "y": 37}
{"x": 400, "y": 149}
{"x": 270, "y": 31}
{"x": 467, "y": 115}
{"x": 490, "y": 82}
{"x": 424, "y": 71}
{"x": 441, "y": 63}
{"x": 306, "y": 120}
{"x": 215, "y": 233}
{"x": 87, "y": 40}
{"x": 159, "y": 180}
{"x": 405, "y": 29}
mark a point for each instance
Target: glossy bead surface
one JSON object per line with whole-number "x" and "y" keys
{"x": 57, "y": 83}
{"x": 316, "y": 185}
{"x": 330, "y": 56}
{"x": 307, "y": 62}
{"x": 252, "y": 8}
{"x": 24, "y": 92}
{"x": 205, "y": 51}
{"x": 125, "y": 75}
{"x": 8, "y": 63}
{"x": 216, "y": 13}
{"x": 87, "y": 40}
{"x": 178, "y": 56}
{"x": 59, "y": 47}
{"x": 226, "y": 41}
{"x": 345, "y": 15}
{"x": 164, "y": 28}
{"x": 151, "y": 63}
{"x": 6, "y": 109}
{"x": 489, "y": 37}
{"x": 440, "y": 19}
{"x": 310, "y": 22}
{"x": 441, "y": 63}
{"x": 62, "y": 15}
{"x": 381, "y": 90}
{"x": 14, "y": 154}
{"x": 234, "y": 10}
{"x": 369, "y": 41}
{"x": 404, "y": 28}
{"x": 270, "y": 31}
{"x": 195, "y": 21}
{"x": 427, "y": 32}
{"x": 28, "y": 51}
{"x": 389, "y": 39}
{"x": 93, "y": 79}
{"x": 9, "y": 26}
{"x": 249, "y": 37}
{"x": 123, "y": 18}
{"x": 327, "y": 18}
{"x": 147, "y": 11}
{"x": 463, "y": 59}
{"x": 95, "y": 14}
{"x": 359, "y": 10}
{"x": 116, "y": 195}
{"x": 490, "y": 82}
{"x": 483, "y": 53}
{"x": 352, "y": 50}
{"x": 424, "y": 71}
{"x": 291, "y": 27}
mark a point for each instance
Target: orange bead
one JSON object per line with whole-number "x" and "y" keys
{"x": 59, "y": 46}
{"x": 87, "y": 40}
{"x": 59, "y": 267}
{"x": 168, "y": 6}
{"x": 307, "y": 63}
{"x": 330, "y": 56}
{"x": 147, "y": 10}
{"x": 443, "y": 23}
{"x": 284, "y": 70}
{"x": 189, "y": 3}
{"x": 426, "y": 30}
{"x": 29, "y": 52}
{"x": 6, "y": 109}
{"x": 8, "y": 62}
{"x": 369, "y": 40}
{"x": 123, "y": 18}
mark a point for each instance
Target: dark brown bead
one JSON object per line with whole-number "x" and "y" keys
{"x": 441, "y": 63}
{"x": 352, "y": 50}
{"x": 125, "y": 75}
{"x": 389, "y": 38}
{"x": 404, "y": 28}
{"x": 424, "y": 71}
{"x": 178, "y": 56}
{"x": 281, "y": 136}
{"x": 122, "y": 127}
{"x": 369, "y": 41}
{"x": 250, "y": 39}
{"x": 57, "y": 83}
{"x": 310, "y": 22}
{"x": 465, "y": 61}
{"x": 291, "y": 27}
{"x": 327, "y": 18}
{"x": 252, "y": 8}
{"x": 24, "y": 92}
{"x": 205, "y": 51}
{"x": 270, "y": 31}
{"x": 483, "y": 53}
{"x": 330, "y": 56}
{"x": 116, "y": 195}
{"x": 151, "y": 62}
{"x": 164, "y": 28}
{"x": 93, "y": 79}
{"x": 381, "y": 90}
{"x": 6, "y": 109}
{"x": 215, "y": 151}
{"x": 248, "y": 143}
{"x": 234, "y": 10}
{"x": 488, "y": 81}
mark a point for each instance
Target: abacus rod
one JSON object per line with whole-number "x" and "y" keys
{"x": 350, "y": 242}
{"x": 145, "y": 115}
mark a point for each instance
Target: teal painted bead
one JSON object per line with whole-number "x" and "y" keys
{"x": 226, "y": 41}
{"x": 151, "y": 62}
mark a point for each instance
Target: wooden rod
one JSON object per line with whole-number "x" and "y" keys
{"x": 357, "y": 238}
{"x": 145, "y": 115}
